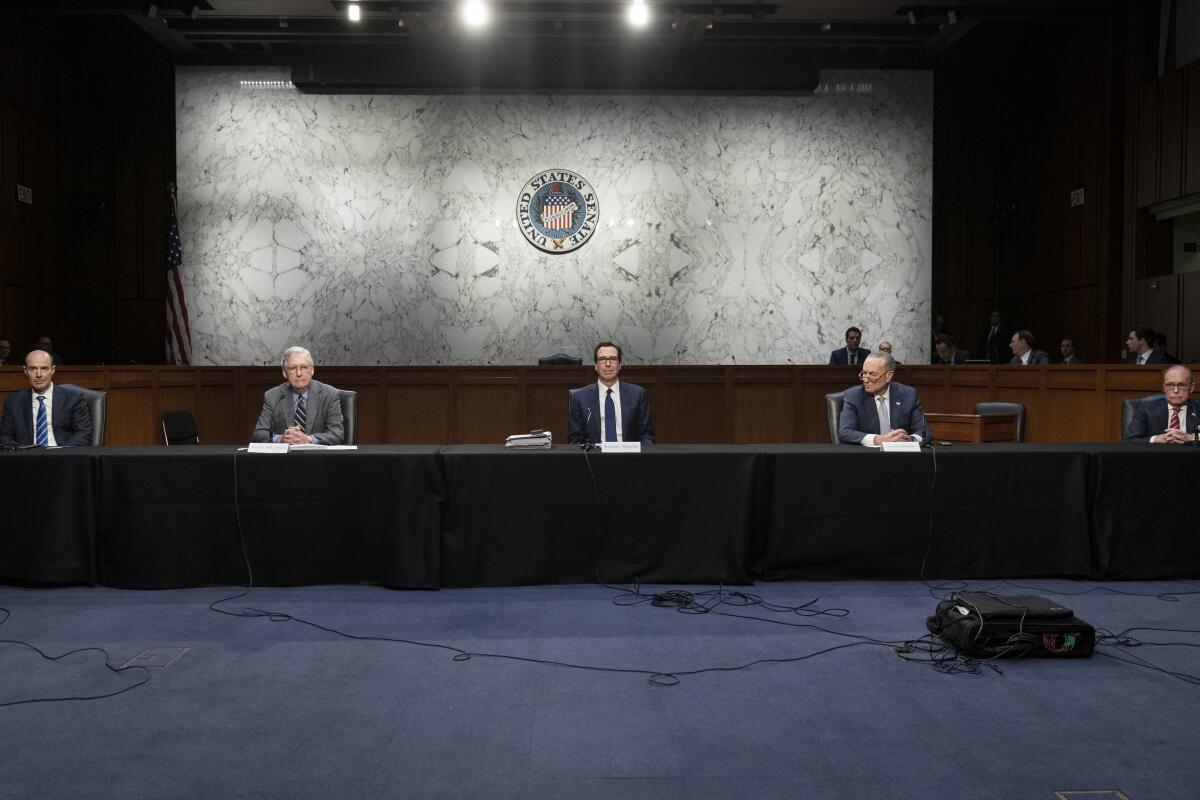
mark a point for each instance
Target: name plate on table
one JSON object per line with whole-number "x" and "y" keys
{"x": 621, "y": 447}
{"x": 267, "y": 447}
{"x": 901, "y": 447}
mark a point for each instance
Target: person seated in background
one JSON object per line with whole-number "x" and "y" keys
{"x": 300, "y": 410}
{"x": 944, "y": 351}
{"x": 1169, "y": 418}
{"x": 939, "y": 329}
{"x": 851, "y": 354}
{"x": 46, "y": 345}
{"x": 1067, "y": 348}
{"x": 44, "y": 414}
{"x": 1160, "y": 346}
{"x": 880, "y": 409}
{"x": 1024, "y": 349}
{"x": 5, "y": 350}
{"x": 886, "y": 347}
{"x": 1140, "y": 344}
{"x": 609, "y": 410}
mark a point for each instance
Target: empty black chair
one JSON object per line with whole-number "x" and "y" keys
{"x": 992, "y": 409}
{"x": 1127, "y": 407}
{"x": 560, "y": 359}
{"x": 349, "y": 400}
{"x": 179, "y": 427}
{"x": 833, "y": 413}
{"x": 97, "y": 402}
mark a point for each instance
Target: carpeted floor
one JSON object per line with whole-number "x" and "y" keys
{"x": 271, "y": 707}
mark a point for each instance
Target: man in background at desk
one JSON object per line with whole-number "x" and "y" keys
{"x": 851, "y": 354}
{"x": 609, "y": 410}
{"x": 881, "y": 410}
{"x": 1024, "y": 349}
{"x": 300, "y": 411}
{"x": 44, "y": 414}
{"x": 1171, "y": 418}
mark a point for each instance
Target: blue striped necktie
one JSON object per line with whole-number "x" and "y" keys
{"x": 301, "y": 420}
{"x": 610, "y": 418}
{"x": 42, "y": 429}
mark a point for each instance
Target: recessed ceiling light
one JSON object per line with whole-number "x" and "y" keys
{"x": 355, "y": 12}
{"x": 475, "y": 14}
{"x": 638, "y": 14}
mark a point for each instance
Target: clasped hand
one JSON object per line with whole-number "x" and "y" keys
{"x": 894, "y": 435}
{"x": 294, "y": 435}
{"x": 1173, "y": 436}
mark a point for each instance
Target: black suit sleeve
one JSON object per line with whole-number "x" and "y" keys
{"x": 645, "y": 420}
{"x": 79, "y": 423}
{"x": 576, "y": 418}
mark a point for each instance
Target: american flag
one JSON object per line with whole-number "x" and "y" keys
{"x": 557, "y": 215}
{"x": 179, "y": 330}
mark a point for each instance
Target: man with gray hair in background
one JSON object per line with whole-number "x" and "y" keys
{"x": 300, "y": 410}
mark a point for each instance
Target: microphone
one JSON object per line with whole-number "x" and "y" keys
{"x": 587, "y": 444}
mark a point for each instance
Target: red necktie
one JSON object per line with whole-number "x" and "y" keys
{"x": 1174, "y": 423}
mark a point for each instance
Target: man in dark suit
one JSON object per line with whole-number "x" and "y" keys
{"x": 1170, "y": 417}
{"x": 609, "y": 410}
{"x": 1140, "y": 344}
{"x": 993, "y": 344}
{"x": 5, "y": 349}
{"x": 881, "y": 410}
{"x": 1024, "y": 349}
{"x": 1069, "y": 355}
{"x": 302, "y": 410}
{"x": 944, "y": 351}
{"x": 851, "y": 354}
{"x": 45, "y": 414}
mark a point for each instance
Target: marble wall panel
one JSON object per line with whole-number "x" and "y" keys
{"x": 382, "y": 229}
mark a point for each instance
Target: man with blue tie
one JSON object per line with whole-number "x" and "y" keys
{"x": 609, "y": 410}
{"x": 301, "y": 410}
{"x": 881, "y": 410}
{"x": 44, "y": 414}
{"x": 851, "y": 354}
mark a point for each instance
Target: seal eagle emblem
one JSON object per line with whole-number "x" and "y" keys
{"x": 557, "y": 211}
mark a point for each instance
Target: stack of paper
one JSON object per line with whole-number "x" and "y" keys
{"x": 537, "y": 440}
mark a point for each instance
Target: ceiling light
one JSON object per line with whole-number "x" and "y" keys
{"x": 355, "y": 12}
{"x": 638, "y": 14}
{"x": 475, "y": 13}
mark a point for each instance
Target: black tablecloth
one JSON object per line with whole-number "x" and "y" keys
{"x": 673, "y": 513}
{"x": 997, "y": 510}
{"x": 1145, "y": 522}
{"x": 49, "y": 528}
{"x": 167, "y": 516}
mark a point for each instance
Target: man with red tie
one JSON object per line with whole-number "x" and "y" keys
{"x": 1169, "y": 418}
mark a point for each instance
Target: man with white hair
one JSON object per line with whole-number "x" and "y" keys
{"x": 300, "y": 410}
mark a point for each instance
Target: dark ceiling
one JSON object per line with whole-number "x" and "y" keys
{"x": 732, "y": 43}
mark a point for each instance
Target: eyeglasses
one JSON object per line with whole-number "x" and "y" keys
{"x": 1178, "y": 387}
{"x": 298, "y": 369}
{"x": 872, "y": 376}
{"x": 607, "y": 360}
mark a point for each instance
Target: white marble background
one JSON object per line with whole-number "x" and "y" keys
{"x": 381, "y": 229}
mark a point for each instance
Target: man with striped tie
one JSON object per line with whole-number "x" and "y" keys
{"x": 300, "y": 410}
{"x": 44, "y": 414}
{"x": 1170, "y": 417}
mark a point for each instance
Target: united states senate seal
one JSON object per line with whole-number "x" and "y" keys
{"x": 557, "y": 211}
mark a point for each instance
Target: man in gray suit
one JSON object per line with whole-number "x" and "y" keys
{"x": 300, "y": 411}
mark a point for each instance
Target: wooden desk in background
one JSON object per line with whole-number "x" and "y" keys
{"x": 972, "y": 428}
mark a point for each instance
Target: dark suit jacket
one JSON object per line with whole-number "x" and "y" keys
{"x": 1035, "y": 357}
{"x": 1150, "y": 418}
{"x": 1154, "y": 357}
{"x": 859, "y": 416}
{"x": 323, "y": 413}
{"x": 1075, "y": 359}
{"x": 842, "y": 356}
{"x": 583, "y": 415}
{"x": 70, "y": 418}
{"x": 959, "y": 356}
{"x": 995, "y": 347}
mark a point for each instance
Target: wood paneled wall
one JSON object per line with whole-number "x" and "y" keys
{"x": 706, "y": 404}
{"x": 1016, "y": 130}
{"x": 87, "y": 122}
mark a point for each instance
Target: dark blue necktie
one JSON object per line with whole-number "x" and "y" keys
{"x": 43, "y": 437}
{"x": 301, "y": 420}
{"x": 610, "y": 418}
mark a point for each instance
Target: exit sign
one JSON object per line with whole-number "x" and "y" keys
{"x": 1077, "y": 197}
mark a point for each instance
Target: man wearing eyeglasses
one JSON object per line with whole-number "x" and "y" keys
{"x": 881, "y": 410}
{"x": 1169, "y": 418}
{"x": 45, "y": 414}
{"x": 301, "y": 410}
{"x": 609, "y": 410}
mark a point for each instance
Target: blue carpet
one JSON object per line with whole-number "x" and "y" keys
{"x": 262, "y": 708}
